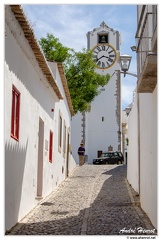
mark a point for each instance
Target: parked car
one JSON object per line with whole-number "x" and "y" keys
{"x": 114, "y": 157}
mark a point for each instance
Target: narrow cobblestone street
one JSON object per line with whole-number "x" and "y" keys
{"x": 94, "y": 200}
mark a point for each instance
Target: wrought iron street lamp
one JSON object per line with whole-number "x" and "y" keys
{"x": 128, "y": 109}
{"x": 125, "y": 61}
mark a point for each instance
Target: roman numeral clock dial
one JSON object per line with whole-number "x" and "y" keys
{"x": 104, "y": 56}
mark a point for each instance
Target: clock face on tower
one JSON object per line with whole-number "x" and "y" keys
{"x": 104, "y": 55}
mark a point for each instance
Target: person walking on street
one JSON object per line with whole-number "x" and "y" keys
{"x": 81, "y": 152}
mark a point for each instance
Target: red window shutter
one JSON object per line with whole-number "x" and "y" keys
{"x": 50, "y": 146}
{"x": 15, "y": 114}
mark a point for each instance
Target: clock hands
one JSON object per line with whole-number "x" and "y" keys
{"x": 109, "y": 59}
{"x": 102, "y": 57}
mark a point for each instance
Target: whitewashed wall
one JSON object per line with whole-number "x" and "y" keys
{"x": 76, "y": 135}
{"x": 148, "y": 157}
{"x": 148, "y": 152}
{"x": 102, "y": 134}
{"x": 124, "y": 134}
{"x": 21, "y": 157}
{"x": 57, "y": 174}
{"x": 99, "y": 134}
{"x": 63, "y": 108}
{"x": 132, "y": 148}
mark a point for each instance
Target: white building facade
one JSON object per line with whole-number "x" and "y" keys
{"x": 101, "y": 127}
{"x": 38, "y": 114}
{"x": 125, "y": 141}
{"x": 142, "y": 122}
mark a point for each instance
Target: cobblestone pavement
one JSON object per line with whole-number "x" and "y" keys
{"x": 94, "y": 200}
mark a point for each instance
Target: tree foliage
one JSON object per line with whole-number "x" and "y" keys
{"x": 53, "y": 49}
{"x": 83, "y": 81}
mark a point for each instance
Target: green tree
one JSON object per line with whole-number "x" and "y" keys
{"x": 53, "y": 49}
{"x": 83, "y": 81}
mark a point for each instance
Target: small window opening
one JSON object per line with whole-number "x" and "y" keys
{"x": 103, "y": 39}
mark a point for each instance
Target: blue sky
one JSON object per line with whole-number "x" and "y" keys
{"x": 71, "y": 22}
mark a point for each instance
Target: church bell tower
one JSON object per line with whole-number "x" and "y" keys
{"x": 102, "y": 125}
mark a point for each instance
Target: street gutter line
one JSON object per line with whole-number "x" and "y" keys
{"x": 87, "y": 210}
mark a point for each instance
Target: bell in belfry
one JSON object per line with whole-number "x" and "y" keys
{"x": 103, "y": 39}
